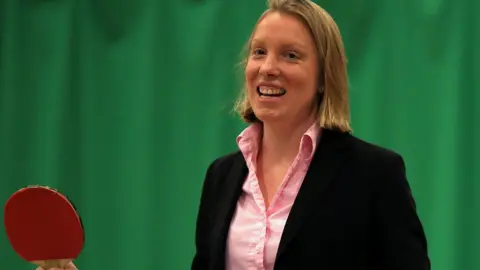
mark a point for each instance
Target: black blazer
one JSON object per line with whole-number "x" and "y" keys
{"x": 354, "y": 211}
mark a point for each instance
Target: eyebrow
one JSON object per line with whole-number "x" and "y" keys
{"x": 299, "y": 45}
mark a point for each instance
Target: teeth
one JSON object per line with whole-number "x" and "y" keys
{"x": 271, "y": 91}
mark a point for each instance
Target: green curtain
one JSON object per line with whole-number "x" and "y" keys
{"x": 122, "y": 104}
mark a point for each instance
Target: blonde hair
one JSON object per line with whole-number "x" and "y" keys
{"x": 334, "y": 109}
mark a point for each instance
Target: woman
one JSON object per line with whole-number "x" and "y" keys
{"x": 302, "y": 192}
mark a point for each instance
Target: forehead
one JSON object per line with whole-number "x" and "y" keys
{"x": 281, "y": 27}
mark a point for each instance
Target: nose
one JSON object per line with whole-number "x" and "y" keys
{"x": 270, "y": 66}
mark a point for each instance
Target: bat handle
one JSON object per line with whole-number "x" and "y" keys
{"x": 49, "y": 264}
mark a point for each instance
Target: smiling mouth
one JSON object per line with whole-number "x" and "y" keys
{"x": 271, "y": 92}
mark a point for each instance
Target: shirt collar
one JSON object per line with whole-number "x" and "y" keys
{"x": 248, "y": 140}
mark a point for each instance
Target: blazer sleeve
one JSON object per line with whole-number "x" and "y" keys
{"x": 201, "y": 257}
{"x": 400, "y": 239}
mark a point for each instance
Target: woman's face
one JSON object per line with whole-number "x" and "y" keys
{"x": 282, "y": 70}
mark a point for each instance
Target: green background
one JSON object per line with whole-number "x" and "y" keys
{"x": 122, "y": 104}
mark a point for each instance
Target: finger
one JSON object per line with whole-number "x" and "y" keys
{"x": 70, "y": 266}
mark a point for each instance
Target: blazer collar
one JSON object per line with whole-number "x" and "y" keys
{"x": 226, "y": 209}
{"x": 324, "y": 166}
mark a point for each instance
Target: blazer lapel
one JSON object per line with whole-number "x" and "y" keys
{"x": 323, "y": 168}
{"x": 226, "y": 209}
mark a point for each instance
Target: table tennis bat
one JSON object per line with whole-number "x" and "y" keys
{"x": 43, "y": 227}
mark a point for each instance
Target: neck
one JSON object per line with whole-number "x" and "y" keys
{"x": 280, "y": 142}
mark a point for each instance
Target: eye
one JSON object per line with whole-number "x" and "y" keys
{"x": 292, "y": 55}
{"x": 258, "y": 51}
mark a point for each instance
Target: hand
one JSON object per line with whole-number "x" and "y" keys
{"x": 69, "y": 266}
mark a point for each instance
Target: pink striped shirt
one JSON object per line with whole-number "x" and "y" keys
{"x": 255, "y": 231}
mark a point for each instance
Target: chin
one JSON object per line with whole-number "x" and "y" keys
{"x": 268, "y": 116}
